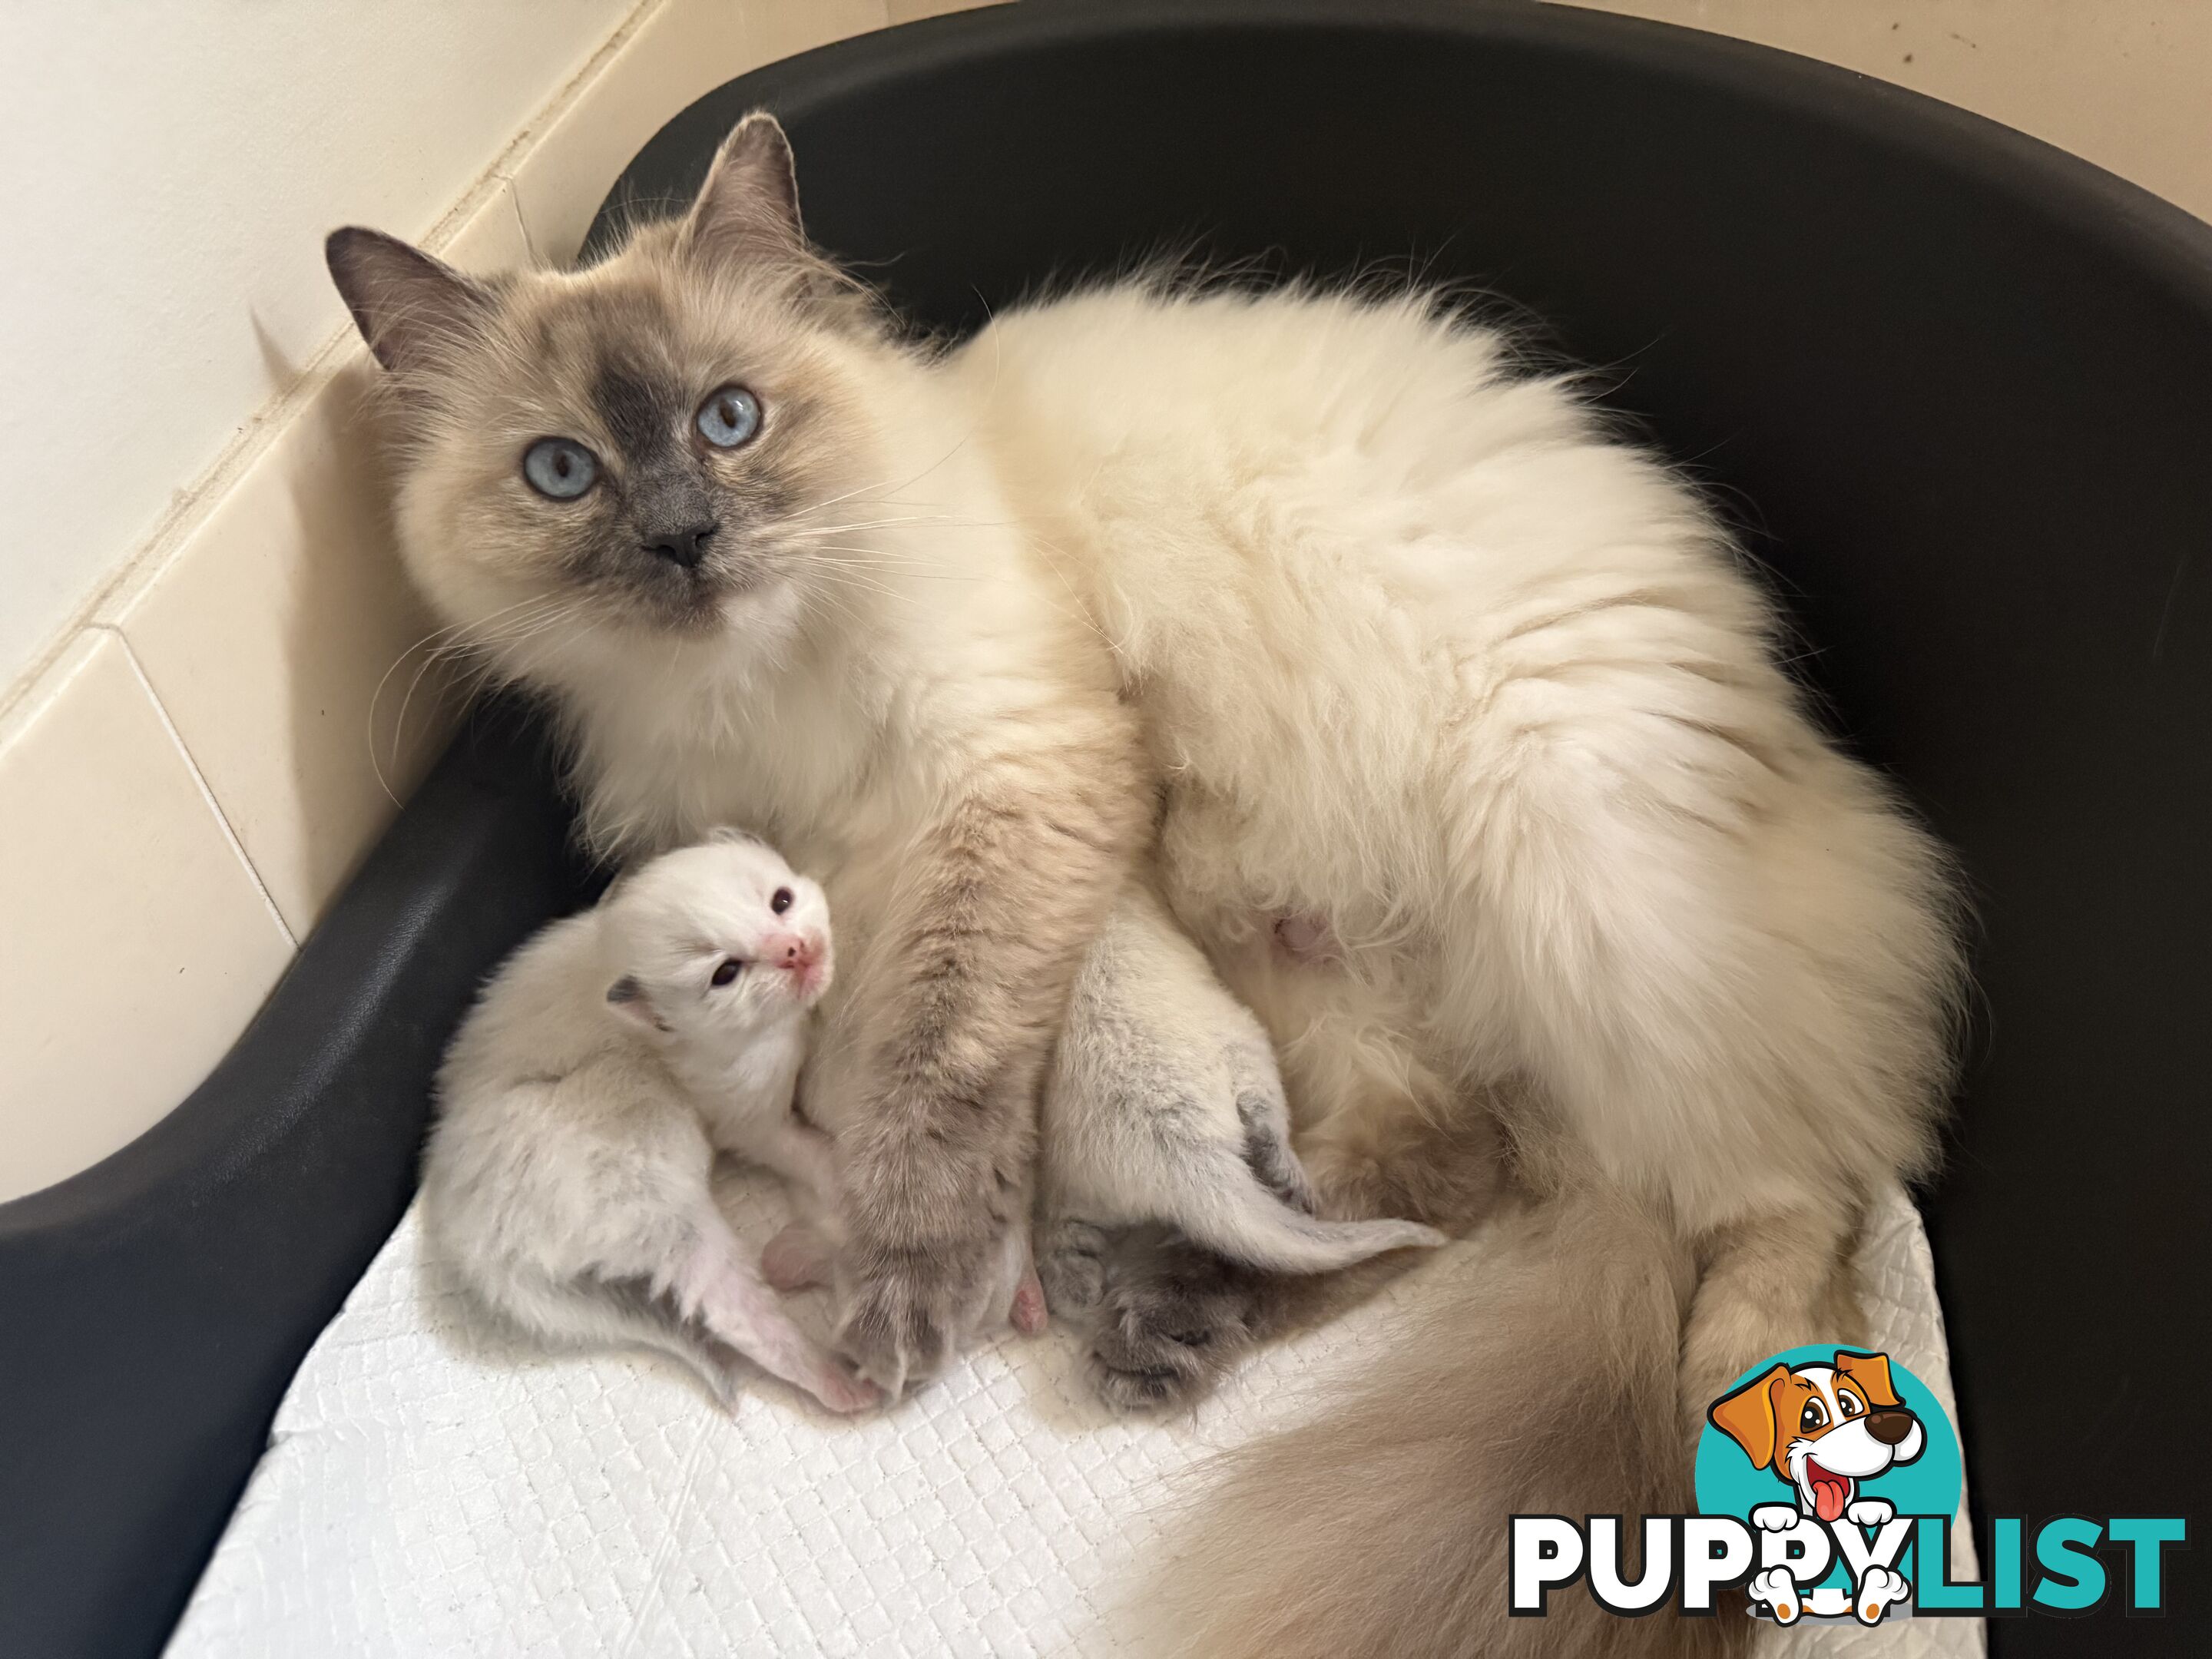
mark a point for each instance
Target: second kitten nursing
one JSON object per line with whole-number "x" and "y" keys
{"x": 584, "y": 1099}
{"x": 1165, "y": 1106}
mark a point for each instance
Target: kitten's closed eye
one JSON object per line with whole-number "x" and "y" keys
{"x": 560, "y": 469}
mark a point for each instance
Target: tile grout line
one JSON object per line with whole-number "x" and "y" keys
{"x": 507, "y": 164}
{"x": 199, "y": 780}
{"x": 260, "y": 431}
{"x": 521, "y": 225}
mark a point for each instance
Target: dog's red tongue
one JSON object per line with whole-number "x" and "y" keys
{"x": 1830, "y": 1491}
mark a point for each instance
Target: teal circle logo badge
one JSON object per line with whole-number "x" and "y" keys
{"x": 1828, "y": 1482}
{"x": 1830, "y": 1454}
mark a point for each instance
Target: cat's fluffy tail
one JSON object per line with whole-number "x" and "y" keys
{"x": 1545, "y": 1384}
{"x": 1247, "y": 1223}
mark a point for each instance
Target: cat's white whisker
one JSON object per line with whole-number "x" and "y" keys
{"x": 434, "y": 643}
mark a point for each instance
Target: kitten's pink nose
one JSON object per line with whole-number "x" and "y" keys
{"x": 792, "y": 952}
{"x": 804, "y": 957}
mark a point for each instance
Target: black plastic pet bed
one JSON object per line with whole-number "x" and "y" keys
{"x": 1955, "y": 388}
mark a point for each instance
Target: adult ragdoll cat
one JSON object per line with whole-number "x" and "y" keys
{"x": 1454, "y": 727}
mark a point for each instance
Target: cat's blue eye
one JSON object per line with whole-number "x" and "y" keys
{"x": 729, "y": 418}
{"x": 560, "y": 469}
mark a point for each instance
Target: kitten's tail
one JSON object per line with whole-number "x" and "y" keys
{"x": 1229, "y": 1211}
{"x": 1545, "y": 1384}
{"x": 589, "y": 1311}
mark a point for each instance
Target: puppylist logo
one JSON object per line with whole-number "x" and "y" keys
{"x": 1827, "y": 1480}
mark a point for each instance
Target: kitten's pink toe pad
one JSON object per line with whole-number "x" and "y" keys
{"x": 1029, "y": 1315}
{"x": 796, "y": 1259}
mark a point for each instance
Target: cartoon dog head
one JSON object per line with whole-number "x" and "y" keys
{"x": 1824, "y": 1429}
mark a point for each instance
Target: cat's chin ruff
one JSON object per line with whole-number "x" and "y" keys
{"x": 844, "y": 650}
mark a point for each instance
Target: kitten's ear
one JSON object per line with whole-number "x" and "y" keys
{"x": 414, "y": 311}
{"x": 748, "y": 209}
{"x": 627, "y": 998}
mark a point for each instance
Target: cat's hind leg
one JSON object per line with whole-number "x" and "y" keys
{"x": 1192, "y": 1126}
{"x": 1071, "y": 1262}
{"x": 1177, "y": 1317}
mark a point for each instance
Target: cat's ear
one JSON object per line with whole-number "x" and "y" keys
{"x": 748, "y": 209}
{"x": 413, "y": 310}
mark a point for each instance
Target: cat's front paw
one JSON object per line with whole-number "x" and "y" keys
{"x": 905, "y": 1313}
{"x": 1174, "y": 1320}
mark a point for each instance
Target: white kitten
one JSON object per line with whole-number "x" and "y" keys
{"x": 1164, "y": 1105}
{"x": 583, "y": 1100}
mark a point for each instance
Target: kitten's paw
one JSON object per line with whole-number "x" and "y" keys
{"x": 1174, "y": 1320}
{"x": 796, "y": 1259}
{"x": 1268, "y": 1153}
{"x": 1072, "y": 1284}
{"x": 843, "y": 1394}
{"x": 1029, "y": 1315}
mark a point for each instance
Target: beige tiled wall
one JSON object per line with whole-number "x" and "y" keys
{"x": 196, "y": 772}
{"x": 139, "y": 938}
{"x": 271, "y": 628}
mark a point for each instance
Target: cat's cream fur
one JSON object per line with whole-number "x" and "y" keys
{"x": 1416, "y": 655}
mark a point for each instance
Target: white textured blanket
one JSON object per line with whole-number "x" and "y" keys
{"x": 432, "y": 1489}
